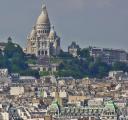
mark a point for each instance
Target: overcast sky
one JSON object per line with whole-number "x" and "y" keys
{"x": 102, "y": 23}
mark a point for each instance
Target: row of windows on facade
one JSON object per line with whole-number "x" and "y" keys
{"x": 43, "y": 31}
{"x": 84, "y": 110}
{"x": 109, "y": 113}
{"x": 38, "y": 38}
{"x": 39, "y": 44}
{"x": 51, "y": 38}
{"x": 42, "y": 52}
{"x": 104, "y": 118}
{"x": 45, "y": 69}
{"x": 40, "y": 31}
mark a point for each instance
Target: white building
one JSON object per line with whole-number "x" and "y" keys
{"x": 95, "y": 102}
{"x": 62, "y": 94}
{"x": 27, "y": 80}
{"x": 5, "y": 116}
{"x": 115, "y": 74}
{"x": 43, "y": 40}
{"x": 16, "y": 91}
{"x": 73, "y": 49}
{"x": 3, "y": 72}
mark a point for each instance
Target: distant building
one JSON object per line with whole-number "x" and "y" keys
{"x": 4, "y": 116}
{"x": 95, "y": 102}
{"x": 16, "y": 91}
{"x": 109, "y": 56}
{"x": 2, "y": 45}
{"x": 78, "y": 113}
{"x": 109, "y": 112}
{"x": 116, "y": 74}
{"x": 43, "y": 40}
{"x": 49, "y": 80}
{"x": 76, "y": 99}
{"x": 73, "y": 49}
{"x": 15, "y": 77}
{"x": 63, "y": 94}
{"x": 3, "y": 72}
{"x": 24, "y": 80}
{"x": 27, "y": 80}
{"x": 44, "y": 64}
{"x": 48, "y": 117}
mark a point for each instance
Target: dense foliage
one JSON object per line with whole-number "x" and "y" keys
{"x": 85, "y": 66}
{"x": 14, "y": 59}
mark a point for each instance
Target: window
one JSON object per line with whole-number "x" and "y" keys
{"x": 38, "y": 52}
{"x": 46, "y": 52}
{"x": 112, "y": 117}
{"x": 42, "y": 53}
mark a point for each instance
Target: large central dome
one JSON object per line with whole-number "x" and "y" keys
{"x": 43, "y": 18}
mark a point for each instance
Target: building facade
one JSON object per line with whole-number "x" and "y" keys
{"x": 16, "y": 91}
{"x": 43, "y": 40}
{"x": 73, "y": 49}
{"x": 109, "y": 56}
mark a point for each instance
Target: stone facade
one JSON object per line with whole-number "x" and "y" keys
{"x": 73, "y": 49}
{"x": 109, "y": 56}
{"x": 43, "y": 40}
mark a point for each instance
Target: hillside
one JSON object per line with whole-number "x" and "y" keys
{"x": 16, "y": 61}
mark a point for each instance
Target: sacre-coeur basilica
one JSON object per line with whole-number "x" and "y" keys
{"x": 43, "y": 40}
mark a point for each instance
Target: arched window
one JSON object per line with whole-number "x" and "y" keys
{"x": 44, "y": 69}
{"x": 38, "y": 52}
{"x": 46, "y": 52}
{"x": 42, "y": 52}
{"x": 42, "y": 44}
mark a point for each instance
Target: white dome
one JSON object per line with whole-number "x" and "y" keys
{"x": 43, "y": 18}
{"x": 52, "y": 33}
{"x": 33, "y": 33}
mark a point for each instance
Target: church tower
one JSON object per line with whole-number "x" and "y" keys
{"x": 43, "y": 40}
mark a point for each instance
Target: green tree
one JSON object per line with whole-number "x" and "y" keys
{"x": 15, "y": 60}
{"x": 120, "y": 66}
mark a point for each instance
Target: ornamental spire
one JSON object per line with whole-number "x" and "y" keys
{"x": 43, "y": 4}
{"x": 52, "y": 28}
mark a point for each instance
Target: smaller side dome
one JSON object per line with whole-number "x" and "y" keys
{"x": 52, "y": 33}
{"x": 33, "y": 32}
